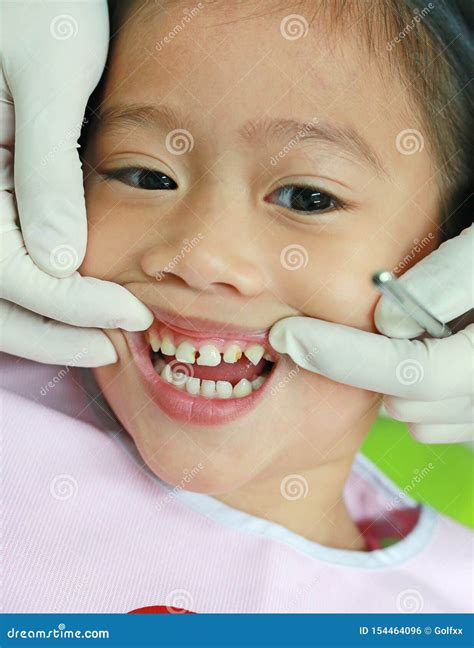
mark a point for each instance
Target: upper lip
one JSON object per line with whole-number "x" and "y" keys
{"x": 201, "y": 327}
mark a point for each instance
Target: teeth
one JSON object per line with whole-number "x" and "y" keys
{"x": 232, "y": 353}
{"x": 258, "y": 382}
{"x": 267, "y": 356}
{"x": 167, "y": 374}
{"x": 154, "y": 341}
{"x": 209, "y": 356}
{"x": 255, "y": 353}
{"x": 186, "y": 353}
{"x": 193, "y": 386}
{"x": 158, "y": 365}
{"x": 167, "y": 347}
{"x": 208, "y": 388}
{"x": 179, "y": 379}
{"x": 242, "y": 388}
{"x": 223, "y": 389}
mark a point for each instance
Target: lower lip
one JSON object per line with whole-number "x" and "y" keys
{"x": 181, "y": 406}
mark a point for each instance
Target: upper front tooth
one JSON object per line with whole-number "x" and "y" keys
{"x": 209, "y": 356}
{"x": 232, "y": 353}
{"x": 154, "y": 341}
{"x": 254, "y": 353}
{"x": 167, "y": 346}
{"x": 186, "y": 353}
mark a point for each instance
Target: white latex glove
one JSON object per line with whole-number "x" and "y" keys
{"x": 429, "y": 383}
{"x": 52, "y": 56}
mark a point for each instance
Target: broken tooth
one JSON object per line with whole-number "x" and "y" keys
{"x": 254, "y": 353}
{"x": 223, "y": 389}
{"x": 258, "y": 382}
{"x": 208, "y": 388}
{"x": 154, "y": 341}
{"x": 167, "y": 374}
{"x": 232, "y": 353}
{"x": 242, "y": 388}
{"x": 167, "y": 346}
{"x": 209, "y": 356}
{"x": 193, "y": 386}
{"x": 186, "y": 353}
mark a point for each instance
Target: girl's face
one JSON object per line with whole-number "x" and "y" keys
{"x": 276, "y": 183}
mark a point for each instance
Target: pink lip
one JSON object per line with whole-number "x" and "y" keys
{"x": 178, "y": 404}
{"x": 198, "y": 327}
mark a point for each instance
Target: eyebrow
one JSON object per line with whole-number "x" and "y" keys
{"x": 289, "y": 131}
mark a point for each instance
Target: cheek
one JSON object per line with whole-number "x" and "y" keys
{"x": 116, "y": 236}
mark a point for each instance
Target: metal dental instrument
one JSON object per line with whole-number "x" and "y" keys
{"x": 390, "y": 286}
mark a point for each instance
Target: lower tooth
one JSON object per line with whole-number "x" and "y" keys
{"x": 193, "y": 386}
{"x": 167, "y": 374}
{"x": 179, "y": 379}
{"x": 258, "y": 382}
{"x": 158, "y": 365}
{"x": 242, "y": 388}
{"x": 223, "y": 389}
{"x": 208, "y": 388}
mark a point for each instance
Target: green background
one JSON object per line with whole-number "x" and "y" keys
{"x": 446, "y": 485}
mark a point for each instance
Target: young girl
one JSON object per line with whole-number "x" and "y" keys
{"x": 228, "y": 140}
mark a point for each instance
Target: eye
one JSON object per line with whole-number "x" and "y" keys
{"x": 303, "y": 199}
{"x": 140, "y": 178}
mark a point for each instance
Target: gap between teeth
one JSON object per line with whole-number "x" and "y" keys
{"x": 207, "y": 388}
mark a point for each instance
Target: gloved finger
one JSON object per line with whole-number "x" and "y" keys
{"x": 28, "y": 335}
{"x": 449, "y": 410}
{"x": 442, "y": 433}
{"x": 427, "y": 370}
{"x": 77, "y": 300}
{"x": 62, "y": 59}
{"x": 442, "y": 282}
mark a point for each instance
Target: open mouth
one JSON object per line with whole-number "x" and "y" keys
{"x": 211, "y": 368}
{"x": 203, "y": 377}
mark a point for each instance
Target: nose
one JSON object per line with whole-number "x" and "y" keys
{"x": 217, "y": 254}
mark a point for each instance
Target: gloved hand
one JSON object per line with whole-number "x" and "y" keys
{"x": 53, "y": 54}
{"x": 429, "y": 383}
